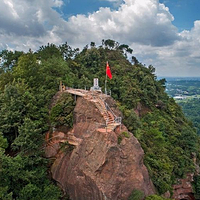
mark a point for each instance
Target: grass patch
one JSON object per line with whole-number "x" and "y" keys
{"x": 121, "y": 136}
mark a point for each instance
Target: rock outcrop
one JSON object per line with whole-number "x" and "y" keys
{"x": 95, "y": 162}
{"x": 184, "y": 189}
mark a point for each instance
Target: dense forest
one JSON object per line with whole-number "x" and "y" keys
{"x": 187, "y": 89}
{"x": 28, "y": 81}
{"x": 191, "y": 108}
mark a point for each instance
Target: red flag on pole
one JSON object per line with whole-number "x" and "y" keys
{"x": 108, "y": 72}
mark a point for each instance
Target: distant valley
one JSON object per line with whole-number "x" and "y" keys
{"x": 186, "y": 92}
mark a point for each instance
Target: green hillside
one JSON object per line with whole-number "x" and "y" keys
{"x": 28, "y": 82}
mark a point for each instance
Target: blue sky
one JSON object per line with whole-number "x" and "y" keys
{"x": 75, "y": 7}
{"x": 165, "y": 33}
{"x": 185, "y": 12}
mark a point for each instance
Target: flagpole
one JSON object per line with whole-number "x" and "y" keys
{"x": 106, "y": 80}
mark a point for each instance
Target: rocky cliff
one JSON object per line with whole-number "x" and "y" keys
{"x": 184, "y": 189}
{"x": 98, "y": 158}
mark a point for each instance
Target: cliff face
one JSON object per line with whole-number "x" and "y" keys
{"x": 97, "y": 163}
{"x": 184, "y": 189}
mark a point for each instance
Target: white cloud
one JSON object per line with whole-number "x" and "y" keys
{"x": 182, "y": 58}
{"x": 58, "y": 3}
{"x": 28, "y": 24}
{"x": 145, "y": 25}
{"x": 10, "y": 7}
{"x": 140, "y": 21}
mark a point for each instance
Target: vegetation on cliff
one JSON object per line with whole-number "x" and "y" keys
{"x": 28, "y": 82}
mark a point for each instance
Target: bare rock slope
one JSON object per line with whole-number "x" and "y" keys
{"x": 98, "y": 162}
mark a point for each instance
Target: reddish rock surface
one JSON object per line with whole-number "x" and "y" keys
{"x": 141, "y": 110}
{"x": 184, "y": 190}
{"x": 99, "y": 167}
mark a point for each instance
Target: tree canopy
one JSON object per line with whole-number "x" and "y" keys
{"x": 28, "y": 82}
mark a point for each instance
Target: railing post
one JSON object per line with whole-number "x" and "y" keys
{"x": 106, "y": 125}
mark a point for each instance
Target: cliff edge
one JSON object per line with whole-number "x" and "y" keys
{"x": 98, "y": 158}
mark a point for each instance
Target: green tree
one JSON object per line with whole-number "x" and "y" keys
{"x": 136, "y": 195}
{"x": 9, "y": 59}
{"x": 62, "y": 112}
{"x": 25, "y": 178}
{"x": 155, "y": 197}
{"x": 28, "y": 85}
{"x": 28, "y": 70}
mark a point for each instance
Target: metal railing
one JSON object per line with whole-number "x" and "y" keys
{"x": 116, "y": 119}
{"x": 95, "y": 97}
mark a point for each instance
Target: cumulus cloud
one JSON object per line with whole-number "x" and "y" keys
{"x": 145, "y": 25}
{"x": 182, "y": 58}
{"x": 23, "y": 22}
{"x": 140, "y": 21}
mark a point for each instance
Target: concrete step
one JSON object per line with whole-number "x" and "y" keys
{"x": 107, "y": 115}
{"x": 111, "y": 122}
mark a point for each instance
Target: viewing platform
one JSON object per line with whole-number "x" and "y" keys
{"x": 96, "y": 97}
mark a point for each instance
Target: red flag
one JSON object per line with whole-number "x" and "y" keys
{"x": 108, "y": 72}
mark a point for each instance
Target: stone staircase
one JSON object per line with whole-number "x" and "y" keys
{"x": 107, "y": 115}
{"x": 70, "y": 138}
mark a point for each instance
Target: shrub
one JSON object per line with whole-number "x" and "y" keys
{"x": 136, "y": 195}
